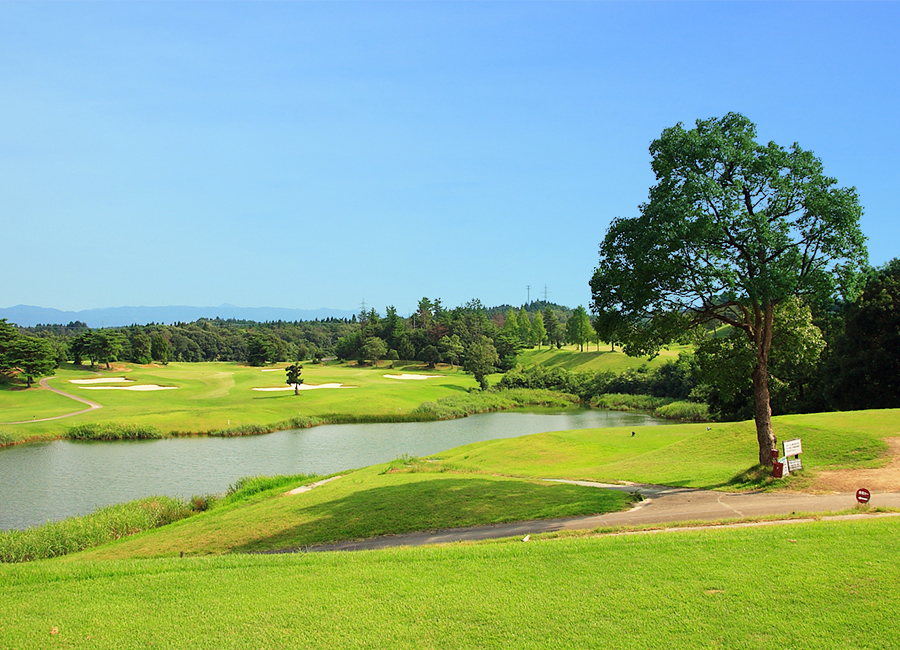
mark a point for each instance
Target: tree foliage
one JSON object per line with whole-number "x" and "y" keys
{"x": 481, "y": 359}
{"x": 864, "y": 367}
{"x": 732, "y": 228}
{"x": 293, "y": 377}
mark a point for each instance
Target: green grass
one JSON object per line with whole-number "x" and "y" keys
{"x": 406, "y": 496}
{"x": 19, "y": 404}
{"x": 571, "y": 359}
{"x": 219, "y": 396}
{"x": 685, "y": 455}
{"x": 783, "y": 586}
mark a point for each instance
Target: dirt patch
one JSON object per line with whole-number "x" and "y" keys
{"x": 882, "y": 479}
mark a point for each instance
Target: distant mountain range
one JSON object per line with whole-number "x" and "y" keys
{"x": 28, "y": 316}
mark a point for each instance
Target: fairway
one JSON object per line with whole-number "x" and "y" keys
{"x": 219, "y": 395}
{"x": 570, "y": 358}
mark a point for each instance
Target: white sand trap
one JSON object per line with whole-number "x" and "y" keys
{"x": 307, "y": 488}
{"x": 305, "y": 387}
{"x": 406, "y": 376}
{"x": 143, "y": 387}
{"x": 273, "y": 369}
{"x": 100, "y": 380}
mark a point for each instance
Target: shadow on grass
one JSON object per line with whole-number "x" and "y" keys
{"x": 434, "y": 504}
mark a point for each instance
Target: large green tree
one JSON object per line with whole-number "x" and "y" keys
{"x": 373, "y": 349}
{"x": 32, "y": 357}
{"x": 578, "y": 328}
{"x": 732, "y": 228}
{"x": 481, "y": 359}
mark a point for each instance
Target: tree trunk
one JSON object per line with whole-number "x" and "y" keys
{"x": 762, "y": 402}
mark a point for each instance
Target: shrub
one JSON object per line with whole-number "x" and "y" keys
{"x": 626, "y": 402}
{"x": 691, "y": 411}
{"x": 113, "y": 431}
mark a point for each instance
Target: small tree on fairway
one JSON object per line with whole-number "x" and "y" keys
{"x": 732, "y": 229}
{"x": 293, "y": 376}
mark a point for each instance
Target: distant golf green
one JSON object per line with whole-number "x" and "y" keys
{"x": 201, "y": 397}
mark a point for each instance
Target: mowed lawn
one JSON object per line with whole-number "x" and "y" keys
{"x": 711, "y": 455}
{"x": 817, "y": 586}
{"x": 209, "y": 396}
{"x": 570, "y": 358}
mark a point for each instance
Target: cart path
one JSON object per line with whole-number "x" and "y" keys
{"x": 92, "y": 406}
{"x": 661, "y": 505}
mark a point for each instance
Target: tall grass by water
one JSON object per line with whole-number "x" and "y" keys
{"x": 661, "y": 407}
{"x": 457, "y": 406}
{"x": 78, "y": 533}
{"x": 113, "y": 431}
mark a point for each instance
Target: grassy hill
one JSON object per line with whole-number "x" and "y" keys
{"x": 570, "y": 358}
{"x": 710, "y": 588}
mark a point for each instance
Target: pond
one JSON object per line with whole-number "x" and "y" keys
{"x": 49, "y": 481}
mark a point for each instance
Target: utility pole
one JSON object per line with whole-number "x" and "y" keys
{"x": 529, "y": 294}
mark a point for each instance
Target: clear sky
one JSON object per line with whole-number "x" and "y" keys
{"x": 312, "y": 155}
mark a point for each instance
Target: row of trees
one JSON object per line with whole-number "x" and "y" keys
{"x": 469, "y": 335}
{"x": 480, "y": 339}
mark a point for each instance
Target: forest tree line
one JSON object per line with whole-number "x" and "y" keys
{"x": 826, "y": 356}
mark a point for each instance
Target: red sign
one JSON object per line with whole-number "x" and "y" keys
{"x": 862, "y": 495}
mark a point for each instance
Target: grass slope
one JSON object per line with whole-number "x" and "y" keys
{"x": 404, "y": 496}
{"x": 785, "y": 586}
{"x": 685, "y": 455}
{"x": 570, "y": 358}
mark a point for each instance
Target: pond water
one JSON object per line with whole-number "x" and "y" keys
{"x": 49, "y": 481}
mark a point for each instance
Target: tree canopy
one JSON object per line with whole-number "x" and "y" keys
{"x": 732, "y": 228}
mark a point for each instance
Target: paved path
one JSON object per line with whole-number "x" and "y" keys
{"x": 44, "y": 382}
{"x": 661, "y": 504}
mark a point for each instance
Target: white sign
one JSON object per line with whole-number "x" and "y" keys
{"x": 792, "y": 447}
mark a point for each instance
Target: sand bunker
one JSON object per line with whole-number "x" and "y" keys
{"x": 306, "y": 387}
{"x": 273, "y": 369}
{"x": 143, "y": 387}
{"x": 100, "y": 380}
{"x": 406, "y": 376}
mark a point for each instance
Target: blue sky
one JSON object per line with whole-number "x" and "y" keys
{"x": 312, "y": 155}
